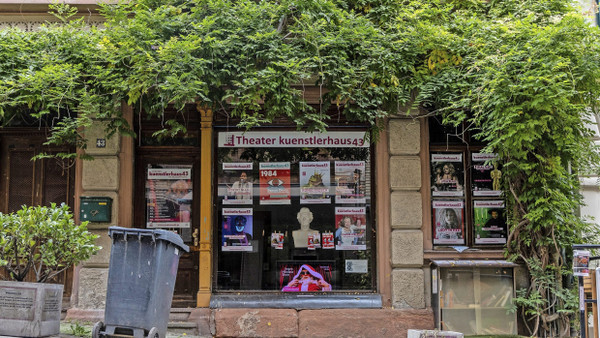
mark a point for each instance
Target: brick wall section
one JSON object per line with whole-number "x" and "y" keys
{"x": 406, "y": 213}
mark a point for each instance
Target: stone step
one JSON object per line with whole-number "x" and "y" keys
{"x": 186, "y": 328}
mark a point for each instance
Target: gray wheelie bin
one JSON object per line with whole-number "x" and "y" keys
{"x": 141, "y": 279}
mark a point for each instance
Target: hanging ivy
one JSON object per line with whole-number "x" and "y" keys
{"x": 521, "y": 73}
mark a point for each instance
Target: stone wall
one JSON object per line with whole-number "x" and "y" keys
{"x": 406, "y": 213}
{"x": 99, "y": 177}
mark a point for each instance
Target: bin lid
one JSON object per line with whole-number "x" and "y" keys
{"x": 160, "y": 234}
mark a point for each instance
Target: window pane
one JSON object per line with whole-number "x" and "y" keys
{"x": 293, "y": 218}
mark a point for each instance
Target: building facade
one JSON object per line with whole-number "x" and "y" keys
{"x": 291, "y": 233}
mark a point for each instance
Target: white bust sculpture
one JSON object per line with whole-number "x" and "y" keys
{"x": 304, "y": 216}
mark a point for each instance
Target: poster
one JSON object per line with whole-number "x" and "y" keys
{"x": 350, "y": 225}
{"x": 448, "y": 222}
{"x": 236, "y": 229}
{"x": 315, "y": 183}
{"x": 581, "y": 263}
{"x": 169, "y": 196}
{"x": 235, "y": 184}
{"x": 314, "y": 241}
{"x": 277, "y": 240}
{"x": 486, "y": 175}
{"x": 490, "y": 224}
{"x": 350, "y": 182}
{"x": 447, "y": 175}
{"x": 274, "y": 183}
{"x": 311, "y": 276}
{"x": 328, "y": 240}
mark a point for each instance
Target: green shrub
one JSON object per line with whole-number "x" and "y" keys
{"x": 44, "y": 240}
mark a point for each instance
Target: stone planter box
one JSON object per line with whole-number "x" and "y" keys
{"x": 30, "y": 309}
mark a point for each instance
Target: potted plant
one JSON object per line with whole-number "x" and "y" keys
{"x": 39, "y": 242}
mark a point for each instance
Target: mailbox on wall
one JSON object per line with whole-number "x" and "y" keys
{"x": 95, "y": 209}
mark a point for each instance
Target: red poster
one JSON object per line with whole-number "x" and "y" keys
{"x": 274, "y": 183}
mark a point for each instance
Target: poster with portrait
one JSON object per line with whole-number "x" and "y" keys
{"x": 236, "y": 229}
{"x": 490, "y": 222}
{"x": 309, "y": 276}
{"x": 448, "y": 222}
{"x": 350, "y": 228}
{"x": 277, "y": 239}
{"x": 486, "y": 175}
{"x": 350, "y": 182}
{"x": 169, "y": 196}
{"x": 447, "y": 174}
{"x": 236, "y": 183}
{"x": 274, "y": 183}
{"x": 581, "y": 263}
{"x": 315, "y": 183}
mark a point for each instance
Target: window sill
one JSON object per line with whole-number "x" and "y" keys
{"x": 442, "y": 253}
{"x": 297, "y": 301}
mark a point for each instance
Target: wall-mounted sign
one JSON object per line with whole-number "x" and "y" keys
{"x": 292, "y": 139}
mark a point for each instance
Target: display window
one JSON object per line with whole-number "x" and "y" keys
{"x": 467, "y": 205}
{"x": 293, "y": 211}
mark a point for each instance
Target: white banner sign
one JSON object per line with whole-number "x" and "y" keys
{"x": 292, "y": 139}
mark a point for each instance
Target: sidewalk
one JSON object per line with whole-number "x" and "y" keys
{"x": 84, "y": 330}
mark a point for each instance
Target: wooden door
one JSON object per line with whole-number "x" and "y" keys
{"x": 41, "y": 182}
{"x": 186, "y": 285}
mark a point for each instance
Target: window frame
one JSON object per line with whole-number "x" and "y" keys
{"x": 276, "y": 294}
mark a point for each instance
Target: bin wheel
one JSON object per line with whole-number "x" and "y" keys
{"x": 153, "y": 333}
{"x": 96, "y": 329}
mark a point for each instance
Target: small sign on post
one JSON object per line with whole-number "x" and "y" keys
{"x": 581, "y": 263}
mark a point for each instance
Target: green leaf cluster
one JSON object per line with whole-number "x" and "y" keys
{"x": 44, "y": 241}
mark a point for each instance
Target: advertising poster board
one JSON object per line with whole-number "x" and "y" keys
{"x": 275, "y": 183}
{"x": 581, "y": 263}
{"x": 447, "y": 174}
{"x": 350, "y": 228}
{"x": 315, "y": 183}
{"x": 309, "y": 276}
{"x": 448, "y": 222}
{"x": 350, "y": 182}
{"x": 486, "y": 175}
{"x": 490, "y": 223}
{"x": 235, "y": 183}
{"x": 169, "y": 196}
{"x": 236, "y": 229}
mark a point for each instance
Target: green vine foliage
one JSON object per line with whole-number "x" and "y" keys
{"x": 520, "y": 74}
